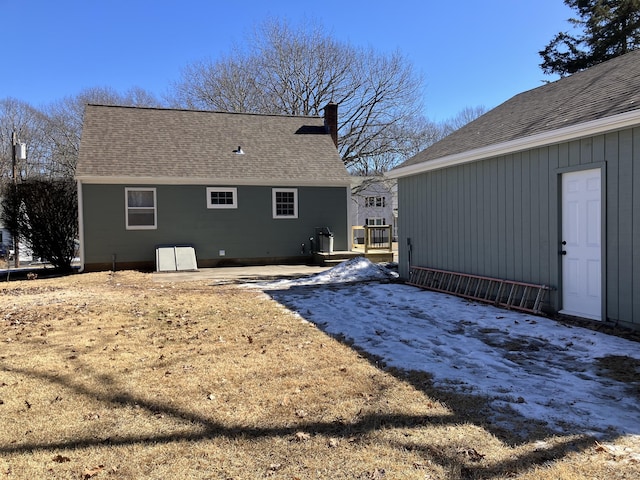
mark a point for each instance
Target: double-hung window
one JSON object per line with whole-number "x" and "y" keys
{"x": 285, "y": 202}
{"x": 140, "y": 208}
{"x": 222, "y": 197}
{"x": 375, "y": 201}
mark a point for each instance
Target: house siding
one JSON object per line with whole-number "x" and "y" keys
{"x": 247, "y": 234}
{"x": 360, "y": 212}
{"x": 500, "y": 217}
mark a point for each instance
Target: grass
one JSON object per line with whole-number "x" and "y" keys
{"x": 116, "y": 376}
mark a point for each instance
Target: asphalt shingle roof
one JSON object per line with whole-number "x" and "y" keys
{"x": 132, "y": 142}
{"x": 607, "y": 89}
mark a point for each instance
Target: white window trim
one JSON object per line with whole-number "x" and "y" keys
{"x": 127, "y": 208}
{"x": 274, "y": 191}
{"x": 233, "y": 190}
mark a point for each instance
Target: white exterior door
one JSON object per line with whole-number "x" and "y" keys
{"x": 581, "y": 244}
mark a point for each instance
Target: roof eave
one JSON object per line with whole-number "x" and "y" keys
{"x": 134, "y": 180}
{"x": 573, "y": 132}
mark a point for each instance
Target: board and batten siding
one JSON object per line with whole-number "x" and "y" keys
{"x": 500, "y": 217}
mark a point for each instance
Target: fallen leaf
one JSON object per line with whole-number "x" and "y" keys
{"x": 333, "y": 442}
{"x": 473, "y": 455}
{"x": 61, "y": 459}
{"x": 302, "y": 436}
{"x": 92, "y": 472}
{"x": 377, "y": 474}
{"x": 301, "y": 413}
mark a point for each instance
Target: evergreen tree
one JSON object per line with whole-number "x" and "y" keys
{"x": 44, "y": 213}
{"x": 610, "y": 28}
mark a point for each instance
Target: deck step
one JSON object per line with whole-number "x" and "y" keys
{"x": 526, "y": 297}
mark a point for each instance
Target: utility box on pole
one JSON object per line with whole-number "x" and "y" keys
{"x": 21, "y": 151}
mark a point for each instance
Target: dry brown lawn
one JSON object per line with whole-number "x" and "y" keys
{"x": 115, "y": 376}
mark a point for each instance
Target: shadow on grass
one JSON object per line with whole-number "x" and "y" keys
{"x": 469, "y": 408}
{"x": 203, "y": 428}
{"x": 33, "y": 273}
{"x": 466, "y": 408}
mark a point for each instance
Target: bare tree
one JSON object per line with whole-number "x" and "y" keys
{"x": 62, "y": 127}
{"x": 52, "y": 133}
{"x": 412, "y": 137}
{"x": 464, "y": 116}
{"x": 21, "y": 118}
{"x": 297, "y": 71}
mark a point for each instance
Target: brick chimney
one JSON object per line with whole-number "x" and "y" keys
{"x": 331, "y": 121}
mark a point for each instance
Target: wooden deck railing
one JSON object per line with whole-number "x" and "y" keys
{"x": 376, "y": 237}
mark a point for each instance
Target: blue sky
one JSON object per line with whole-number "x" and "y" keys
{"x": 470, "y": 52}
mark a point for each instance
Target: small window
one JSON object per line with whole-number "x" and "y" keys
{"x": 141, "y": 208}
{"x": 375, "y": 201}
{"x": 375, "y": 221}
{"x": 285, "y": 203}
{"x": 219, "y": 197}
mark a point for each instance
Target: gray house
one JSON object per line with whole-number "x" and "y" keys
{"x": 544, "y": 188}
{"x": 238, "y": 188}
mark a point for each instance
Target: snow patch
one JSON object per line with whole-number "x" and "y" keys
{"x": 532, "y": 366}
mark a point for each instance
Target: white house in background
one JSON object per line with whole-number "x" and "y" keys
{"x": 5, "y": 240}
{"x": 374, "y": 202}
{"x": 6, "y": 245}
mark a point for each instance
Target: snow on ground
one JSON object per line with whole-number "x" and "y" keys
{"x": 540, "y": 368}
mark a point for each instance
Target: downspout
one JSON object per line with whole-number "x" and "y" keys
{"x": 409, "y": 255}
{"x": 349, "y": 224}
{"x": 80, "y": 225}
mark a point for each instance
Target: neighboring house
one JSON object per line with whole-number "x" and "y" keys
{"x": 6, "y": 246}
{"x": 544, "y": 188}
{"x": 374, "y": 202}
{"x": 239, "y": 188}
{"x": 6, "y": 243}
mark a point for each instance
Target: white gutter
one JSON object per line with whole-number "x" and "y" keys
{"x": 560, "y": 135}
{"x": 80, "y": 225}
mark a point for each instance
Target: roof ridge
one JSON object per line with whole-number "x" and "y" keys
{"x": 190, "y": 110}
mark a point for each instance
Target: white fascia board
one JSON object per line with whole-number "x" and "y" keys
{"x": 105, "y": 180}
{"x": 573, "y": 132}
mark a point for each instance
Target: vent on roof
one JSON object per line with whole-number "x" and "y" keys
{"x": 239, "y": 151}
